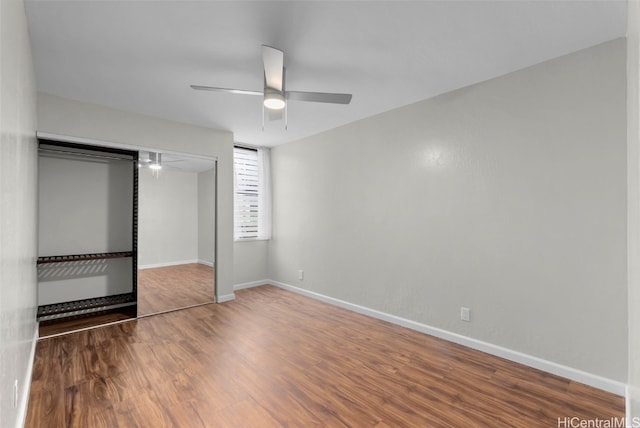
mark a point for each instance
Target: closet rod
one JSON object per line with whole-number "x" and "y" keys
{"x": 90, "y": 155}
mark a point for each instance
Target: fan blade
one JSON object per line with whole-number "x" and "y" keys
{"x": 231, "y": 91}
{"x": 319, "y": 97}
{"x": 273, "y": 60}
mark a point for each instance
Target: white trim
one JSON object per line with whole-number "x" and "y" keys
{"x": 226, "y": 298}
{"x": 250, "y": 239}
{"x": 251, "y": 284}
{"x": 26, "y": 386}
{"x": 596, "y": 381}
{"x": 206, "y": 263}
{"x": 157, "y": 265}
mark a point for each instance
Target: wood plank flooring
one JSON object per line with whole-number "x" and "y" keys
{"x": 273, "y": 358}
{"x": 159, "y": 290}
{"x": 172, "y": 287}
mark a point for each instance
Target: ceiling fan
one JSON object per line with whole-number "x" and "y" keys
{"x": 275, "y": 96}
{"x": 154, "y": 160}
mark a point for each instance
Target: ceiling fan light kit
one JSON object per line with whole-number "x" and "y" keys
{"x": 273, "y": 99}
{"x": 155, "y": 161}
{"x": 274, "y": 95}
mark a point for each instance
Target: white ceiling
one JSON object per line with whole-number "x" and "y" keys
{"x": 141, "y": 56}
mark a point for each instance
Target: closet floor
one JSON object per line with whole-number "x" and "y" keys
{"x": 52, "y": 328}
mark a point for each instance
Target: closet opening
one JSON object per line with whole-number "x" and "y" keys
{"x": 87, "y": 237}
{"x": 120, "y": 239}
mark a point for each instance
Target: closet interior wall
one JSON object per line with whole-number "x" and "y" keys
{"x": 87, "y": 238}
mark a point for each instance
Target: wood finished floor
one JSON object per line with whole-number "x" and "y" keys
{"x": 172, "y": 287}
{"x": 273, "y": 358}
{"x": 159, "y": 290}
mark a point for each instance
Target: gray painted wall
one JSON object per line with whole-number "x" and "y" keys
{"x": 168, "y": 222}
{"x": 633, "y": 197}
{"x": 250, "y": 261}
{"x": 84, "y": 206}
{"x": 508, "y": 197}
{"x": 18, "y": 198}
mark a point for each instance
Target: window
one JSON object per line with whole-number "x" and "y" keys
{"x": 252, "y": 210}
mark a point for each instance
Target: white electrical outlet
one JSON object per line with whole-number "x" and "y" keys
{"x": 15, "y": 394}
{"x": 465, "y": 314}
{"x": 301, "y": 275}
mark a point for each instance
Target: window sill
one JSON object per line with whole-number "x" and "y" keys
{"x": 251, "y": 239}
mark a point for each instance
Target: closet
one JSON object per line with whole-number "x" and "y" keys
{"x": 87, "y": 237}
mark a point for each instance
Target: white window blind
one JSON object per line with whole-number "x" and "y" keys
{"x": 251, "y": 196}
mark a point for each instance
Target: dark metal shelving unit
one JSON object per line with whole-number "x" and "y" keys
{"x": 83, "y": 257}
{"x": 85, "y": 307}
{"x": 92, "y": 306}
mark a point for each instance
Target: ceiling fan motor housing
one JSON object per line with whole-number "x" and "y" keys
{"x": 273, "y": 98}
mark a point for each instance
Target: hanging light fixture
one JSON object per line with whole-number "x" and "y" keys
{"x": 156, "y": 160}
{"x": 273, "y": 99}
{"x": 155, "y": 163}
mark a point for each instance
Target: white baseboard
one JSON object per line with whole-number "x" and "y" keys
{"x": 26, "y": 386}
{"x": 157, "y": 265}
{"x": 251, "y": 284}
{"x": 596, "y": 381}
{"x": 206, "y": 263}
{"x": 226, "y": 298}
